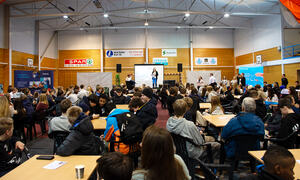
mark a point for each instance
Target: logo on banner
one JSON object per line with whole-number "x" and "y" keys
{"x": 169, "y": 52}
{"x": 163, "y": 61}
{"x": 2, "y": 1}
{"x": 78, "y": 62}
{"x": 125, "y": 53}
{"x": 206, "y": 61}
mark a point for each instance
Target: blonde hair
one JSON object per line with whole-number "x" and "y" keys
{"x": 6, "y": 123}
{"x": 209, "y": 89}
{"x": 4, "y": 107}
{"x": 215, "y": 102}
{"x": 43, "y": 99}
{"x": 189, "y": 101}
{"x": 73, "y": 113}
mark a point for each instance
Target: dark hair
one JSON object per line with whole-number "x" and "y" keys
{"x": 81, "y": 86}
{"x": 276, "y": 155}
{"x": 65, "y": 105}
{"x": 76, "y": 90}
{"x": 104, "y": 96}
{"x": 174, "y": 91}
{"x": 118, "y": 90}
{"x": 43, "y": 91}
{"x": 158, "y": 155}
{"x": 179, "y": 107}
{"x": 285, "y": 102}
{"x": 271, "y": 93}
{"x": 135, "y": 102}
{"x": 115, "y": 166}
{"x": 60, "y": 93}
{"x": 194, "y": 91}
{"x": 93, "y": 98}
{"x": 137, "y": 94}
{"x": 182, "y": 90}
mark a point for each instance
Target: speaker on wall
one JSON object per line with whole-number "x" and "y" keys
{"x": 119, "y": 68}
{"x": 179, "y": 67}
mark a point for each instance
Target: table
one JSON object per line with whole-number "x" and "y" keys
{"x": 219, "y": 120}
{"x": 296, "y": 153}
{"x": 33, "y": 169}
{"x": 237, "y": 96}
{"x": 122, "y": 106}
{"x": 130, "y": 95}
{"x": 205, "y": 105}
{"x": 99, "y": 124}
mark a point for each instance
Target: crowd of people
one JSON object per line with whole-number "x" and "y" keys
{"x": 71, "y": 110}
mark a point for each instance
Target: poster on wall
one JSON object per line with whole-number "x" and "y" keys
{"x": 78, "y": 62}
{"x": 124, "y": 53}
{"x": 206, "y": 61}
{"x": 163, "y": 61}
{"x": 169, "y": 52}
{"x": 1, "y": 88}
{"x": 253, "y": 75}
{"x": 29, "y": 79}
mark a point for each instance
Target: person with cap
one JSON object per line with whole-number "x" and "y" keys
{"x": 147, "y": 112}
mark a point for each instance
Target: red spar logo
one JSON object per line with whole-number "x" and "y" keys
{"x": 2, "y": 1}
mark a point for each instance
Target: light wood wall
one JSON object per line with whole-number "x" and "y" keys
{"x": 272, "y": 74}
{"x": 290, "y": 71}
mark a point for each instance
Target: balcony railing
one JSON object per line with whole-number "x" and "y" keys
{"x": 291, "y": 51}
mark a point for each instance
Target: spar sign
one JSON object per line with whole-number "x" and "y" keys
{"x": 2, "y": 1}
{"x": 79, "y": 62}
{"x": 124, "y": 53}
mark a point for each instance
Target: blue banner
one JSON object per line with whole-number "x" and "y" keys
{"x": 253, "y": 75}
{"x": 30, "y": 79}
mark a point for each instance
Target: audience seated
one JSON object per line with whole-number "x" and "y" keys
{"x": 81, "y": 140}
{"x": 190, "y": 114}
{"x": 171, "y": 99}
{"x": 105, "y": 106}
{"x": 61, "y": 123}
{"x": 279, "y": 164}
{"x": 159, "y": 160}
{"x": 115, "y": 166}
{"x": 135, "y": 104}
{"x": 92, "y": 102}
{"x": 118, "y": 98}
{"x": 216, "y": 107}
{"x": 246, "y": 122}
{"x": 10, "y": 147}
{"x": 260, "y": 110}
{"x": 73, "y": 97}
{"x": 147, "y": 112}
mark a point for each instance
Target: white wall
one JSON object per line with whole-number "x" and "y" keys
{"x": 168, "y": 38}
{"x": 2, "y": 45}
{"x": 213, "y": 38}
{"x": 291, "y": 37}
{"x": 44, "y": 39}
{"x": 264, "y": 32}
{"x": 72, "y": 40}
{"x": 23, "y": 35}
{"x": 124, "y": 38}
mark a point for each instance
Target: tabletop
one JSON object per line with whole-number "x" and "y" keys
{"x": 219, "y": 120}
{"x": 122, "y": 106}
{"x": 99, "y": 124}
{"x": 296, "y": 153}
{"x": 33, "y": 169}
{"x": 205, "y": 105}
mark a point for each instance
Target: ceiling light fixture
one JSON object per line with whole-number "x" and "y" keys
{"x": 187, "y": 14}
{"x": 226, "y": 15}
{"x": 105, "y": 15}
{"x": 210, "y": 27}
{"x": 65, "y": 17}
{"x": 146, "y": 23}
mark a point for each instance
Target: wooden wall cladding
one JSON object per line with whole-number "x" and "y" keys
{"x": 80, "y": 54}
{"x": 21, "y": 58}
{"x": 290, "y": 71}
{"x": 268, "y": 54}
{"x": 50, "y": 63}
{"x": 272, "y": 74}
{"x": 225, "y": 55}
{"x": 244, "y": 59}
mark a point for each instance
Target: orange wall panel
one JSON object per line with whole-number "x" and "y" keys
{"x": 268, "y": 54}
{"x": 272, "y": 74}
{"x": 244, "y": 59}
{"x": 290, "y": 71}
{"x": 225, "y": 56}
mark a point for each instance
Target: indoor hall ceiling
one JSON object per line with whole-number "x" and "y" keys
{"x": 85, "y": 14}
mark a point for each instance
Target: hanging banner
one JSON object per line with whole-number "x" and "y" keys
{"x": 30, "y": 79}
{"x": 163, "y": 61}
{"x": 206, "y": 61}
{"x": 124, "y": 53}
{"x": 79, "y": 62}
{"x": 169, "y": 52}
{"x": 253, "y": 75}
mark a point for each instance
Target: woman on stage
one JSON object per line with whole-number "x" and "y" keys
{"x": 154, "y": 78}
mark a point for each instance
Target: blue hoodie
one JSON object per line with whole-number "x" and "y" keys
{"x": 111, "y": 120}
{"x": 243, "y": 123}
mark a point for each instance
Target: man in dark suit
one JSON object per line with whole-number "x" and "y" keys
{"x": 243, "y": 80}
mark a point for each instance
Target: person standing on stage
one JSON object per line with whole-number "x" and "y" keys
{"x": 154, "y": 78}
{"x": 243, "y": 80}
{"x": 200, "y": 83}
{"x": 212, "y": 80}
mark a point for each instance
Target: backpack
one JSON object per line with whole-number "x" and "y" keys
{"x": 131, "y": 129}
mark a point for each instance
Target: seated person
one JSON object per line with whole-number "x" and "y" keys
{"x": 295, "y": 106}
{"x": 289, "y": 122}
{"x": 216, "y": 107}
{"x": 81, "y": 140}
{"x": 171, "y": 99}
{"x": 115, "y": 166}
{"x": 147, "y": 112}
{"x": 61, "y": 123}
{"x": 158, "y": 159}
{"x": 261, "y": 110}
{"x": 135, "y": 104}
{"x": 246, "y": 122}
{"x": 278, "y": 164}
{"x": 10, "y": 147}
{"x": 92, "y": 102}
{"x": 105, "y": 106}
{"x": 73, "y": 97}
{"x": 118, "y": 98}
{"x": 190, "y": 114}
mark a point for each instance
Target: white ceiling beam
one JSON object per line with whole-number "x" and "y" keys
{"x": 25, "y": 2}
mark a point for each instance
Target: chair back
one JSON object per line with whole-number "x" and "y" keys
{"x": 58, "y": 137}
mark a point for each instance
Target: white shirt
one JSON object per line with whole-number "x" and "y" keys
{"x": 128, "y": 78}
{"x": 212, "y": 79}
{"x": 82, "y": 93}
{"x": 73, "y": 98}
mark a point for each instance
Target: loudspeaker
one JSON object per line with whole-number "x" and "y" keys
{"x": 119, "y": 68}
{"x": 179, "y": 67}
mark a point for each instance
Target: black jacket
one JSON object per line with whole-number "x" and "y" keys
{"x": 170, "y": 101}
{"x": 243, "y": 81}
{"x": 105, "y": 110}
{"x": 9, "y": 156}
{"x": 262, "y": 175}
{"x": 81, "y": 140}
{"x": 119, "y": 99}
{"x": 284, "y": 81}
{"x": 261, "y": 110}
{"x": 147, "y": 114}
